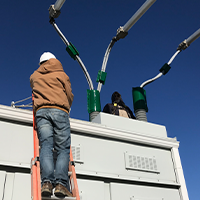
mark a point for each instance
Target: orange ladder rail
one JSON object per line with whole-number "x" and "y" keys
{"x": 35, "y": 166}
{"x": 73, "y": 181}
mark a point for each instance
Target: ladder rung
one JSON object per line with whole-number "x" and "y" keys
{"x": 56, "y": 198}
{"x": 69, "y": 173}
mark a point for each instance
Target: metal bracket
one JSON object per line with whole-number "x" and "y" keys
{"x": 13, "y": 104}
{"x": 72, "y": 163}
{"x": 33, "y": 162}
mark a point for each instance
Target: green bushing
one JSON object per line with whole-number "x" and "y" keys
{"x": 139, "y": 99}
{"x": 165, "y": 68}
{"x": 93, "y": 101}
{"x": 72, "y": 51}
{"x": 101, "y": 77}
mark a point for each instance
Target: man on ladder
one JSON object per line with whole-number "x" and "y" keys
{"x": 53, "y": 98}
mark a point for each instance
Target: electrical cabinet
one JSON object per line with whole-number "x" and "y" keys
{"x": 115, "y": 158}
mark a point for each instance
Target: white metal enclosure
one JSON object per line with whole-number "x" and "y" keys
{"x": 116, "y": 158}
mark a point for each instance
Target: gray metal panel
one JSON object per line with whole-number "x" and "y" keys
{"x": 123, "y": 123}
{"x": 2, "y": 181}
{"x": 9, "y": 186}
{"x": 106, "y": 157}
{"x": 16, "y": 144}
{"x": 22, "y": 187}
{"x": 140, "y": 192}
{"x": 90, "y": 190}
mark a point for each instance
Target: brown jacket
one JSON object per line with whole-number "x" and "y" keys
{"x": 51, "y": 86}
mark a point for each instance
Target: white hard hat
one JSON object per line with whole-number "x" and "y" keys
{"x": 46, "y": 56}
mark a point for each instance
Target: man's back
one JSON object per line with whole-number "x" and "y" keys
{"x": 51, "y": 86}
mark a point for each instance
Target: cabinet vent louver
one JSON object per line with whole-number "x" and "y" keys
{"x": 141, "y": 163}
{"x": 77, "y": 154}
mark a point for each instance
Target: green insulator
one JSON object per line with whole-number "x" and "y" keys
{"x": 139, "y": 99}
{"x": 101, "y": 77}
{"x": 165, "y": 68}
{"x": 93, "y": 101}
{"x": 72, "y": 51}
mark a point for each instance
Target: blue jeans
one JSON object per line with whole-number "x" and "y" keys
{"x": 53, "y": 129}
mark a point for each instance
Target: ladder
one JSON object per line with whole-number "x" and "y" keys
{"x": 35, "y": 173}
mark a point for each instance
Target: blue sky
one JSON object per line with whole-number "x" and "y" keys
{"x": 173, "y": 100}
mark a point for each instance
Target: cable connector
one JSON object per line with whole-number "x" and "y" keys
{"x": 183, "y": 45}
{"x": 52, "y": 12}
{"x": 121, "y": 33}
{"x": 101, "y": 77}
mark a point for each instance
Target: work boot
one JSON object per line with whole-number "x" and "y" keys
{"x": 46, "y": 190}
{"x": 61, "y": 191}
